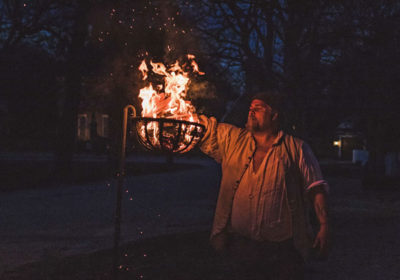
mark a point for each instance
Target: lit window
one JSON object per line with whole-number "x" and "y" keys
{"x": 105, "y": 125}
{"x": 82, "y": 127}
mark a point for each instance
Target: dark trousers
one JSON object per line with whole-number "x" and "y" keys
{"x": 253, "y": 260}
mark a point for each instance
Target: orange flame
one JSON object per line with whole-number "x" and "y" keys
{"x": 194, "y": 64}
{"x": 143, "y": 68}
{"x": 171, "y": 103}
{"x": 168, "y": 100}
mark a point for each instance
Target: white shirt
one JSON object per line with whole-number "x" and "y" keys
{"x": 260, "y": 209}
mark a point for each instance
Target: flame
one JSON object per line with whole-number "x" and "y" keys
{"x": 143, "y": 68}
{"x": 172, "y": 102}
{"x": 168, "y": 100}
{"x": 194, "y": 64}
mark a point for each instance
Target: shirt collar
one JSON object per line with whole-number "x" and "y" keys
{"x": 277, "y": 141}
{"x": 278, "y": 138}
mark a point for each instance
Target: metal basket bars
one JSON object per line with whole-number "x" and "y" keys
{"x": 168, "y": 135}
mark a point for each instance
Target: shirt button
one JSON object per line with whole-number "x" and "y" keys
{"x": 251, "y": 196}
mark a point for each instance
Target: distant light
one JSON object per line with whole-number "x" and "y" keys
{"x": 336, "y": 143}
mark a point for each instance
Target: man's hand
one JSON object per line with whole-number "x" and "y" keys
{"x": 321, "y": 242}
{"x": 220, "y": 242}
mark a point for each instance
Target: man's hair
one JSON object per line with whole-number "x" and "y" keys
{"x": 271, "y": 97}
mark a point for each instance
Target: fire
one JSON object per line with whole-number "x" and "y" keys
{"x": 143, "y": 69}
{"x": 167, "y": 100}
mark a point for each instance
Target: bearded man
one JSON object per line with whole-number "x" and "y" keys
{"x": 269, "y": 180}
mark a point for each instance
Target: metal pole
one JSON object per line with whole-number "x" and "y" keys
{"x": 120, "y": 175}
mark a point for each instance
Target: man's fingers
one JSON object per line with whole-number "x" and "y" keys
{"x": 316, "y": 242}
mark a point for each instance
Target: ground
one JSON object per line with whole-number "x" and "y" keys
{"x": 65, "y": 231}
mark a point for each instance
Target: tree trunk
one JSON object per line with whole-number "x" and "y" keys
{"x": 67, "y": 129}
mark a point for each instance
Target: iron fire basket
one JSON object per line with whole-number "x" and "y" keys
{"x": 168, "y": 135}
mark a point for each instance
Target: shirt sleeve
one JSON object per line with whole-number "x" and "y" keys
{"x": 217, "y": 138}
{"x": 310, "y": 169}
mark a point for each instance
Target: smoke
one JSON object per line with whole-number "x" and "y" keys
{"x": 201, "y": 90}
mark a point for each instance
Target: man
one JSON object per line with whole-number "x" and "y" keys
{"x": 269, "y": 178}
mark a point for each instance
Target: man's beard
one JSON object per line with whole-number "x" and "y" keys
{"x": 252, "y": 126}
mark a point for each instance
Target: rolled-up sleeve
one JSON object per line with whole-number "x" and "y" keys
{"x": 310, "y": 170}
{"x": 217, "y": 138}
{"x": 209, "y": 143}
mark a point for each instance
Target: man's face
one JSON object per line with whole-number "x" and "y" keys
{"x": 261, "y": 116}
